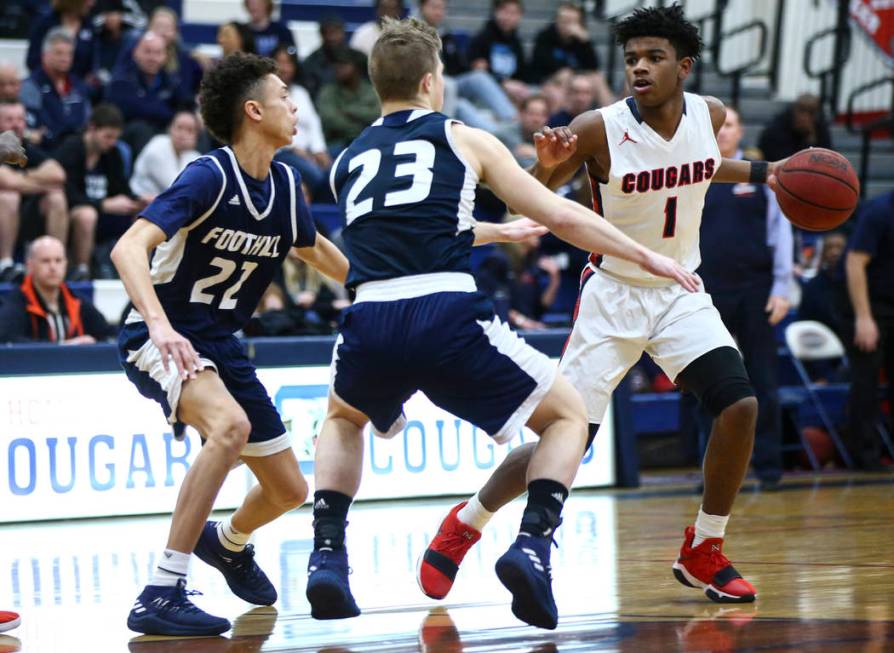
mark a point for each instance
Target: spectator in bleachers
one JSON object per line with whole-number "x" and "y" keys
{"x": 534, "y": 115}
{"x": 44, "y": 309}
{"x": 111, "y": 37}
{"x": 747, "y": 260}
{"x": 798, "y": 126}
{"x": 235, "y": 37}
{"x": 145, "y": 93}
{"x": 35, "y": 193}
{"x": 319, "y": 68}
{"x": 555, "y": 90}
{"x": 269, "y": 34}
{"x": 365, "y": 36}
{"x": 10, "y": 83}
{"x": 465, "y": 90}
{"x": 566, "y": 44}
{"x": 869, "y": 329}
{"x": 348, "y": 105}
{"x": 166, "y": 155}
{"x": 71, "y": 16}
{"x": 308, "y": 152}
{"x": 56, "y": 100}
{"x": 100, "y": 199}
{"x": 498, "y": 49}
{"x": 821, "y": 296}
{"x": 579, "y": 99}
{"x": 179, "y": 62}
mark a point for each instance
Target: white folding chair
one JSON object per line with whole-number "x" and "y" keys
{"x": 808, "y": 340}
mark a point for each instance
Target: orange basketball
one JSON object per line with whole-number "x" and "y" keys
{"x": 821, "y": 443}
{"x": 818, "y": 189}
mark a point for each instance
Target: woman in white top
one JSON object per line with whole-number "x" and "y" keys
{"x": 308, "y": 152}
{"x": 166, "y": 155}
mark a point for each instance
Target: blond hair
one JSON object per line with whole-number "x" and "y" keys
{"x": 404, "y": 53}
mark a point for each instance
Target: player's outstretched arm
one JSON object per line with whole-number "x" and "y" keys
{"x": 325, "y": 257}
{"x": 131, "y": 258}
{"x": 507, "y": 232}
{"x": 568, "y": 220}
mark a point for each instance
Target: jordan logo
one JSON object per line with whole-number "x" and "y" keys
{"x": 626, "y": 138}
{"x": 234, "y": 201}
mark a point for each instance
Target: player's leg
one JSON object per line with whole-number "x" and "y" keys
{"x": 338, "y": 465}
{"x": 694, "y": 348}
{"x": 600, "y": 350}
{"x": 281, "y": 486}
{"x": 368, "y": 384}
{"x": 163, "y": 607}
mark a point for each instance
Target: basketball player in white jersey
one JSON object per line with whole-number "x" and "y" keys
{"x": 650, "y": 159}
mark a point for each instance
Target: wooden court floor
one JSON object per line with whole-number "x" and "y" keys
{"x": 821, "y": 553}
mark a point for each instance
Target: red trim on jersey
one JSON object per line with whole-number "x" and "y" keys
{"x": 585, "y": 275}
{"x": 595, "y": 259}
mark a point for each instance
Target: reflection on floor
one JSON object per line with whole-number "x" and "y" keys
{"x": 820, "y": 555}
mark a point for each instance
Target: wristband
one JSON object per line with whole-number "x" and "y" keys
{"x": 758, "y": 172}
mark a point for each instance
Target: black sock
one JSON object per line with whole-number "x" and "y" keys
{"x": 330, "y": 519}
{"x": 543, "y": 514}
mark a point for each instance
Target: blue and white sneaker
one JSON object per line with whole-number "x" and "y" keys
{"x": 239, "y": 568}
{"x": 328, "y": 589}
{"x": 525, "y": 571}
{"x": 164, "y": 610}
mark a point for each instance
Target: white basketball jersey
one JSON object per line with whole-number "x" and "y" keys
{"x": 656, "y": 188}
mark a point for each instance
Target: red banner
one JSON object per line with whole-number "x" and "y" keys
{"x": 876, "y": 19}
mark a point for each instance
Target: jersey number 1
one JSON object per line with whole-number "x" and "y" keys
{"x": 670, "y": 217}
{"x": 369, "y": 162}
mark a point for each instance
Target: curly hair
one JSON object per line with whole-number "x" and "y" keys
{"x": 663, "y": 22}
{"x": 226, "y": 88}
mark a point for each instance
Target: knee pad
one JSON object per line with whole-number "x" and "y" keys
{"x": 718, "y": 379}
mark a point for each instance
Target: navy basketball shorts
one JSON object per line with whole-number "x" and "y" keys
{"x": 449, "y": 345}
{"x": 142, "y": 363}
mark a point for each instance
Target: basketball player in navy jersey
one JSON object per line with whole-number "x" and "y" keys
{"x": 650, "y": 159}
{"x": 407, "y": 187}
{"x": 215, "y": 239}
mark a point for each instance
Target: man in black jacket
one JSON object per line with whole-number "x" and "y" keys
{"x": 96, "y": 187}
{"x": 498, "y": 49}
{"x": 43, "y": 309}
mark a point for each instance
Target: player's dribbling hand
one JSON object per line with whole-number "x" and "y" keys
{"x": 772, "y": 169}
{"x": 11, "y": 150}
{"x": 177, "y": 349}
{"x": 554, "y": 146}
{"x": 664, "y": 266}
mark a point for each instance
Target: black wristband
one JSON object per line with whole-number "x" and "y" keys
{"x": 758, "y": 172}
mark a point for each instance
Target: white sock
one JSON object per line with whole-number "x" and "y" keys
{"x": 474, "y": 514}
{"x": 172, "y": 566}
{"x": 708, "y": 526}
{"x": 5, "y": 263}
{"x": 230, "y": 538}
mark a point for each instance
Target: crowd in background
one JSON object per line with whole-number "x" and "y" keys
{"x": 108, "y": 116}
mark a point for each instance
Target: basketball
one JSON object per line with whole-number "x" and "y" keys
{"x": 821, "y": 443}
{"x": 818, "y": 189}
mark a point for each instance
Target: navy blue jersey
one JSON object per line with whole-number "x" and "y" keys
{"x": 227, "y": 236}
{"x": 408, "y": 197}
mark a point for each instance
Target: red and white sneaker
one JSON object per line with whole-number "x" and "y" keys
{"x": 439, "y": 563}
{"x": 705, "y": 567}
{"x": 9, "y": 620}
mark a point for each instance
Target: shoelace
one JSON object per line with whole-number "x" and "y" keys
{"x": 454, "y": 545}
{"x": 324, "y": 558}
{"x": 243, "y": 562}
{"x": 180, "y": 602}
